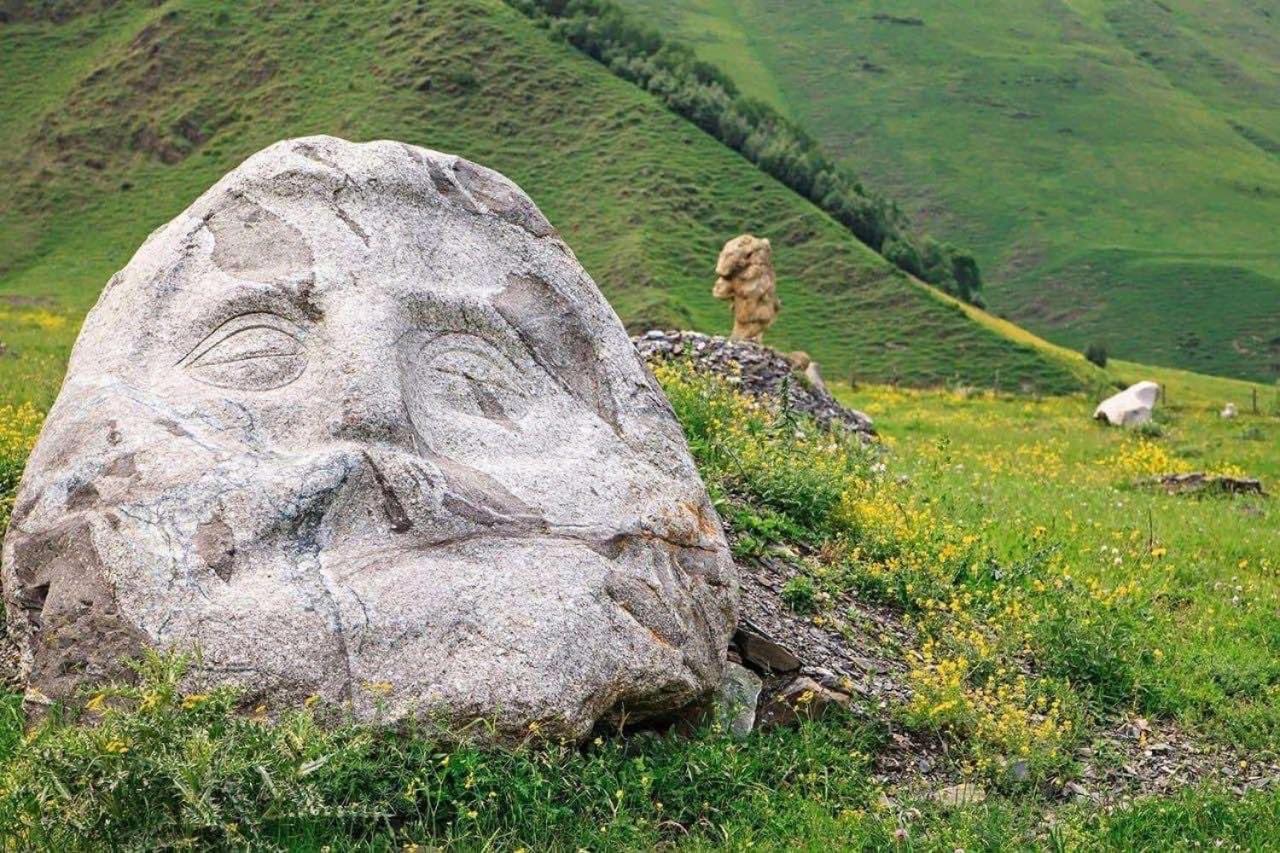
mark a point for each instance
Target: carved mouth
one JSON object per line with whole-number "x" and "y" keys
{"x": 605, "y": 542}
{"x": 644, "y": 581}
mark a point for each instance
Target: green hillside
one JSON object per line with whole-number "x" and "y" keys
{"x": 1115, "y": 164}
{"x": 114, "y": 120}
{"x": 1051, "y": 652}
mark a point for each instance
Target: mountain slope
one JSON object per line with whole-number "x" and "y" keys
{"x": 1115, "y": 164}
{"x": 115, "y": 120}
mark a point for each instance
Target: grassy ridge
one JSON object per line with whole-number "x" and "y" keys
{"x": 114, "y": 121}
{"x": 1115, "y": 164}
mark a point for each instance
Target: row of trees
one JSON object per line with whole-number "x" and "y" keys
{"x": 707, "y": 97}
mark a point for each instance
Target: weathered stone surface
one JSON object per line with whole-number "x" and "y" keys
{"x": 739, "y": 694}
{"x": 744, "y": 274}
{"x": 758, "y": 370}
{"x": 10, "y": 678}
{"x": 358, "y": 417}
{"x": 1198, "y": 481}
{"x": 805, "y": 365}
{"x": 1130, "y": 407}
{"x": 959, "y": 796}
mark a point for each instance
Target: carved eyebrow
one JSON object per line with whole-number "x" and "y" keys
{"x": 241, "y": 322}
{"x": 447, "y": 341}
{"x": 243, "y": 300}
{"x": 421, "y": 347}
{"x": 432, "y": 318}
{"x": 559, "y": 340}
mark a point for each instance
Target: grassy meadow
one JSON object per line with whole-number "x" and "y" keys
{"x": 1113, "y": 163}
{"x": 1049, "y": 597}
{"x": 1191, "y": 583}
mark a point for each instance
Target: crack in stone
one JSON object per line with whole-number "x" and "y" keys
{"x": 352, "y": 224}
{"x": 391, "y": 504}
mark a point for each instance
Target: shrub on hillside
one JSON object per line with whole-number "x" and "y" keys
{"x": 964, "y": 269}
{"x": 1096, "y": 353}
{"x": 904, "y": 256}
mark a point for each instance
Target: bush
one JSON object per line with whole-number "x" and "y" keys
{"x": 903, "y": 255}
{"x": 1096, "y": 642}
{"x": 1097, "y": 354}
{"x": 800, "y": 595}
{"x": 964, "y": 268}
{"x": 1150, "y": 429}
{"x": 785, "y": 466}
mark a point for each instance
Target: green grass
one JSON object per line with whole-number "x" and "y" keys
{"x": 1040, "y": 473}
{"x": 113, "y": 122}
{"x": 1117, "y": 611}
{"x": 1115, "y": 164}
{"x": 1180, "y": 387}
{"x": 201, "y": 777}
{"x": 1019, "y": 531}
{"x": 645, "y": 200}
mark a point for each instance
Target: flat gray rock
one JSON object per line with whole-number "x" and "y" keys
{"x": 358, "y": 425}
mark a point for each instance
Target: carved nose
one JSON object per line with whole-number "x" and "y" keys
{"x": 372, "y": 409}
{"x": 372, "y": 424}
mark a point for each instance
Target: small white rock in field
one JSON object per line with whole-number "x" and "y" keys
{"x": 1130, "y": 407}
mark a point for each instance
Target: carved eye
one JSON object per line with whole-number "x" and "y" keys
{"x": 459, "y": 373}
{"x": 252, "y": 352}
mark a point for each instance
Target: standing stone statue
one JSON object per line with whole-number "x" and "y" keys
{"x": 358, "y": 425}
{"x": 745, "y": 275}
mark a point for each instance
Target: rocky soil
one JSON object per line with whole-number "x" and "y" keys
{"x": 856, "y": 659}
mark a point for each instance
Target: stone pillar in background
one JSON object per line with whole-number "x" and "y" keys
{"x": 745, "y": 274}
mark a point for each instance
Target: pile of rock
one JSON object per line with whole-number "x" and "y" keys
{"x": 758, "y": 370}
{"x": 784, "y": 667}
{"x": 10, "y": 674}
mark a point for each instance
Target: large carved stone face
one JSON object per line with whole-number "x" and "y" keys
{"x": 357, "y": 424}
